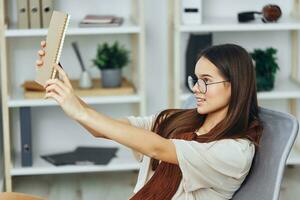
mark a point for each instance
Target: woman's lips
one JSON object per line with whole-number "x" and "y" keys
{"x": 200, "y": 101}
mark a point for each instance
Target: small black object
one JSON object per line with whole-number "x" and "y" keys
{"x": 60, "y": 65}
{"x": 247, "y": 16}
{"x": 83, "y": 155}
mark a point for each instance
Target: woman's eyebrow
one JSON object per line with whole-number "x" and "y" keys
{"x": 202, "y": 75}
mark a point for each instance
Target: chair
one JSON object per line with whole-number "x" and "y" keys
{"x": 264, "y": 179}
{"x": 17, "y": 196}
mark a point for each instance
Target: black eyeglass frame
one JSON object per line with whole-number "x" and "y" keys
{"x": 192, "y": 81}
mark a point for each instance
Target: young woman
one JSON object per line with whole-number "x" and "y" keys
{"x": 201, "y": 153}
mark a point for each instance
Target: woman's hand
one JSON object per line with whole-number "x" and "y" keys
{"x": 62, "y": 92}
{"x": 41, "y": 54}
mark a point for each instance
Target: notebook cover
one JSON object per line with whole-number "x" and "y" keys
{"x": 54, "y": 42}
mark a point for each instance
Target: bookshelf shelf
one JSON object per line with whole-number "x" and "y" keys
{"x": 18, "y": 100}
{"x": 223, "y": 24}
{"x": 124, "y": 161}
{"x": 127, "y": 27}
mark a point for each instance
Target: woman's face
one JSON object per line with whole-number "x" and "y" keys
{"x": 217, "y": 96}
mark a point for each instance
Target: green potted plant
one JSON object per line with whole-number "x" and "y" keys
{"x": 110, "y": 59}
{"x": 265, "y": 67}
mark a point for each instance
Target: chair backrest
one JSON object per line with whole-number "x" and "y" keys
{"x": 265, "y": 177}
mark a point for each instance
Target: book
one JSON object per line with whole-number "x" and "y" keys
{"x": 98, "y": 19}
{"x": 54, "y": 43}
{"x": 117, "y": 21}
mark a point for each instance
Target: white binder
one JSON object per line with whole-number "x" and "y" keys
{"x": 46, "y": 12}
{"x": 35, "y": 13}
{"x": 23, "y": 14}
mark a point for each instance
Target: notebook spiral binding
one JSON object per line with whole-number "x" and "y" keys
{"x": 58, "y": 53}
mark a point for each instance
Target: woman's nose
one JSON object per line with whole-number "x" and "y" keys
{"x": 195, "y": 88}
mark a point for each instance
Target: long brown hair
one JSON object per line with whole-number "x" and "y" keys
{"x": 241, "y": 121}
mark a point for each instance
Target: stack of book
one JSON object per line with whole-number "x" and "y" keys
{"x": 101, "y": 21}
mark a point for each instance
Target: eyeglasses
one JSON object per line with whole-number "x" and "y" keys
{"x": 202, "y": 85}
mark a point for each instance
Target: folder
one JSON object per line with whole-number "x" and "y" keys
{"x": 83, "y": 156}
{"x": 54, "y": 43}
{"x": 35, "y": 13}
{"x": 46, "y": 12}
{"x": 26, "y": 148}
{"x": 23, "y": 14}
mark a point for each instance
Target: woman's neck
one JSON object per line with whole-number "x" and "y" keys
{"x": 212, "y": 119}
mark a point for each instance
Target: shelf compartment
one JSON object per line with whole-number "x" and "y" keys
{"x": 283, "y": 89}
{"x": 126, "y": 94}
{"x": 124, "y": 161}
{"x": 223, "y": 24}
{"x": 126, "y": 28}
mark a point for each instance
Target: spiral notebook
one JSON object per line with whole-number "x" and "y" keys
{"x": 54, "y": 43}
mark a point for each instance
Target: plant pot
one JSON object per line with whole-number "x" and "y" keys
{"x": 265, "y": 83}
{"x": 111, "y": 78}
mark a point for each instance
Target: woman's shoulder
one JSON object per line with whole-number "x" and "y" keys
{"x": 237, "y": 147}
{"x": 232, "y": 157}
{"x": 238, "y": 153}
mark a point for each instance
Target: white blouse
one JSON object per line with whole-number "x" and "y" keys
{"x": 210, "y": 171}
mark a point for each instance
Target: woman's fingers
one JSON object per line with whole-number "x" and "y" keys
{"x": 41, "y": 54}
{"x": 55, "y": 88}
{"x": 64, "y": 75}
{"x": 43, "y": 44}
{"x": 59, "y": 84}
{"x": 39, "y": 63}
{"x": 53, "y": 95}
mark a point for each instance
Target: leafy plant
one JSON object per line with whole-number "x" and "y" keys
{"x": 111, "y": 56}
{"x": 265, "y": 67}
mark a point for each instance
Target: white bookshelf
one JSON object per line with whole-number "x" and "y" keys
{"x": 124, "y": 161}
{"x": 17, "y": 100}
{"x": 287, "y": 88}
{"x": 132, "y": 29}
